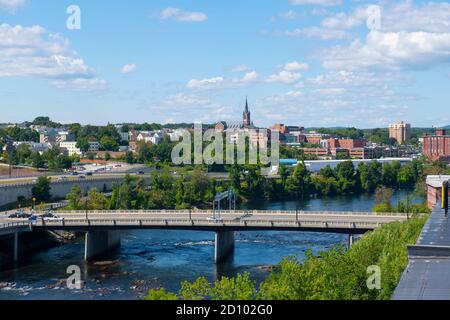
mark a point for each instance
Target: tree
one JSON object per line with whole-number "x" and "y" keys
{"x": 41, "y": 190}
{"x": 75, "y": 198}
{"x": 370, "y": 175}
{"x": 390, "y": 174}
{"x": 300, "y": 181}
{"x": 108, "y": 143}
{"x": 97, "y": 200}
{"x": 235, "y": 177}
{"x": 346, "y": 176}
{"x": 83, "y": 144}
{"x": 63, "y": 162}
{"x": 406, "y": 177}
{"x": 36, "y": 160}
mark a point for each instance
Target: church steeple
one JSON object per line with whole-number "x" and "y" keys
{"x": 247, "y": 115}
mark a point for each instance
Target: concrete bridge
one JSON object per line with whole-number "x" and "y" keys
{"x": 103, "y": 228}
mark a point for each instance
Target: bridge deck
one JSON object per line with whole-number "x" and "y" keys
{"x": 336, "y": 222}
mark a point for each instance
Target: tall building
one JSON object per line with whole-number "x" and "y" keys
{"x": 400, "y": 131}
{"x": 437, "y": 147}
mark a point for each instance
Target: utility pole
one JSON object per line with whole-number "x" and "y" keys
{"x": 86, "y": 204}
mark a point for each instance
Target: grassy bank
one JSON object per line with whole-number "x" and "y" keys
{"x": 338, "y": 274}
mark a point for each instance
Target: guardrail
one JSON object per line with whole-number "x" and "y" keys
{"x": 205, "y": 223}
{"x": 241, "y": 212}
{"x": 9, "y": 225}
{"x": 53, "y": 181}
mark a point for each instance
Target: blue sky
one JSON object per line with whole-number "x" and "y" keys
{"x": 300, "y": 62}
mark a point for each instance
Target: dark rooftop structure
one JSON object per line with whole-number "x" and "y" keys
{"x": 427, "y": 276}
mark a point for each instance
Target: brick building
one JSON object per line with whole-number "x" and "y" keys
{"x": 437, "y": 147}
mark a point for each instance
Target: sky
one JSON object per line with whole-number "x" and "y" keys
{"x": 300, "y": 62}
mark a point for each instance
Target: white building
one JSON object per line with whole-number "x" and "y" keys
{"x": 71, "y": 147}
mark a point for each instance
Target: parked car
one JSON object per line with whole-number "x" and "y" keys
{"x": 63, "y": 178}
{"x": 89, "y": 174}
{"x": 140, "y": 172}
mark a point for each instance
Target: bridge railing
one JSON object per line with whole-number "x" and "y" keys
{"x": 9, "y": 225}
{"x": 239, "y": 212}
{"x": 327, "y": 224}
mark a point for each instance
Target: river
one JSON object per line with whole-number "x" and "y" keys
{"x": 149, "y": 259}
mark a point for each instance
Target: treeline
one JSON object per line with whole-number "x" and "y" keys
{"x": 189, "y": 189}
{"x": 345, "y": 179}
{"x": 338, "y": 274}
{"x": 165, "y": 191}
{"x": 51, "y": 159}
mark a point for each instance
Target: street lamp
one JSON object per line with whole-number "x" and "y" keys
{"x": 86, "y": 204}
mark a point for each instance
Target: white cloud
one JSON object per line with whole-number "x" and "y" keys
{"x": 248, "y": 77}
{"x": 128, "y": 68}
{"x": 295, "y": 66}
{"x": 316, "y": 2}
{"x": 289, "y": 15}
{"x": 316, "y": 32}
{"x": 183, "y": 16}
{"x": 32, "y": 51}
{"x": 240, "y": 68}
{"x": 284, "y": 76}
{"x": 81, "y": 84}
{"x": 11, "y": 5}
{"x": 208, "y": 83}
{"x": 393, "y": 50}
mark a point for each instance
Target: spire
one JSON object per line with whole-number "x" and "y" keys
{"x": 246, "y": 104}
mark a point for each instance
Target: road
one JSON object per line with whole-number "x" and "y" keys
{"x": 346, "y": 222}
{"x": 114, "y": 173}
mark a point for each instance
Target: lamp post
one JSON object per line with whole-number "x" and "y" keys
{"x": 86, "y": 204}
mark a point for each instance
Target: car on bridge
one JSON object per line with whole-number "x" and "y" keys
{"x": 19, "y": 215}
{"x": 50, "y": 216}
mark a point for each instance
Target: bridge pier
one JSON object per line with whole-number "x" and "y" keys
{"x": 224, "y": 246}
{"x": 16, "y": 247}
{"x": 99, "y": 243}
{"x": 351, "y": 240}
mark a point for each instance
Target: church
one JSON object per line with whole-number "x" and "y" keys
{"x": 237, "y": 125}
{"x": 235, "y": 129}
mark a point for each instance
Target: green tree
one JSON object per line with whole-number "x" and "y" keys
{"x": 83, "y": 144}
{"x": 97, "y": 200}
{"x": 41, "y": 190}
{"x": 299, "y": 183}
{"x": 75, "y": 198}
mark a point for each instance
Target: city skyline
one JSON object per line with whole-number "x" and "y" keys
{"x": 182, "y": 61}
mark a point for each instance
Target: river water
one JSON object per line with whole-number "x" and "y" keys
{"x": 149, "y": 259}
